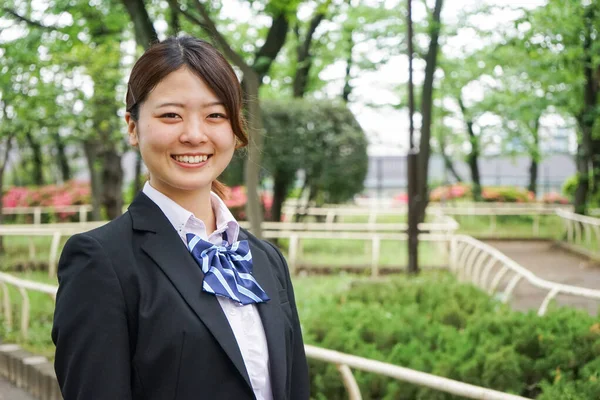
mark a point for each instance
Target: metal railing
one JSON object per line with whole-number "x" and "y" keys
{"x": 582, "y": 232}
{"x": 22, "y": 286}
{"x": 37, "y": 211}
{"x": 343, "y": 362}
{"x": 295, "y": 232}
{"x": 486, "y": 266}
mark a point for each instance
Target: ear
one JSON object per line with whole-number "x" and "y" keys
{"x": 131, "y": 130}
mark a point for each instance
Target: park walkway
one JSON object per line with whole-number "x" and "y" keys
{"x": 550, "y": 262}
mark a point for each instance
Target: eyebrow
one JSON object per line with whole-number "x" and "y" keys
{"x": 181, "y": 105}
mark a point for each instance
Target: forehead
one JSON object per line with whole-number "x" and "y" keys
{"x": 182, "y": 86}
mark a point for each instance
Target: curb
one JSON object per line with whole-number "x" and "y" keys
{"x": 32, "y": 373}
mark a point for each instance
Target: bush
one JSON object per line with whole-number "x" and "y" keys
{"x": 236, "y": 199}
{"x": 71, "y": 193}
{"x": 555, "y": 198}
{"x": 451, "y": 192}
{"x": 506, "y": 194}
{"x": 434, "y": 324}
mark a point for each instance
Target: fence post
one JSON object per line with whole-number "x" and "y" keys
{"x": 37, "y": 215}
{"x": 24, "y": 312}
{"x": 7, "y": 306}
{"x": 53, "y": 254}
{"x": 349, "y": 382}
{"x": 82, "y": 214}
{"x": 375, "y": 251}
{"x": 292, "y": 253}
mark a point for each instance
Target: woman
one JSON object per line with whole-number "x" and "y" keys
{"x": 173, "y": 300}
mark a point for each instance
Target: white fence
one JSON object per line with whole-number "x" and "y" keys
{"x": 343, "y": 361}
{"x": 22, "y": 286}
{"x": 37, "y": 212}
{"x": 582, "y": 232}
{"x": 485, "y": 266}
{"x": 469, "y": 258}
{"x": 295, "y": 232}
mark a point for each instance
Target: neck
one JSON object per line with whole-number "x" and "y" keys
{"x": 197, "y": 202}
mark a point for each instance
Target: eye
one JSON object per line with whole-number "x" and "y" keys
{"x": 170, "y": 115}
{"x": 217, "y": 115}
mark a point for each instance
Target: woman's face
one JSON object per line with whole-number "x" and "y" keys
{"x": 184, "y": 135}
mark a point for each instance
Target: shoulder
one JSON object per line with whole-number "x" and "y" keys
{"x": 108, "y": 237}
{"x": 268, "y": 247}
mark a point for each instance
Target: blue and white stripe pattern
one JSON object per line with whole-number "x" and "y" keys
{"x": 227, "y": 270}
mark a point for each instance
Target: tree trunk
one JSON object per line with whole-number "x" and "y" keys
{"x": 535, "y": 158}
{"x": 112, "y": 183}
{"x": 38, "y": 162}
{"x": 349, "y": 62}
{"x": 145, "y": 34}
{"x": 252, "y": 167}
{"x": 63, "y": 162}
{"x": 426, "y": 113}
{"x": 473, "y": 157}
{"x": 449, "y": 165}
{"x": 263, "y": 59}
{"x": 587, "y": 118}
{"x": 533, "y": 175}
{"x": 304, "y": 55}
{"x": 90, "y": 148}
{"x": 280, "y": 189}
{"x": 3, "y": 164}
{"x": 138, "y": 182}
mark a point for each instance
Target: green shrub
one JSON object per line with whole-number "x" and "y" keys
{"x": 435, "y": 324}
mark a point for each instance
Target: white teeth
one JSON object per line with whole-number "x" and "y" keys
{"x": 191, "y": 159}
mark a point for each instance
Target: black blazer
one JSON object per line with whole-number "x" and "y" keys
{"x": 131, "y": 320}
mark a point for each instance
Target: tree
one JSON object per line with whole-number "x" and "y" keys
{"x": 426, "y": 110}
{"x": 252, "y": 72}
{"x": 320, "y": 138}
{"x": 565, "y": 36}
{"x": 86, "y": 47}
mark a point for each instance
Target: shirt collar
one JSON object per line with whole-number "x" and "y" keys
{"x": 179, "y": 216}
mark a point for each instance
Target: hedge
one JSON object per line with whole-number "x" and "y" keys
{"x": 435, "y": 324}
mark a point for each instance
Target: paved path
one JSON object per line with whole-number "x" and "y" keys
{"x": 9, "y": 392}
{"x": 552, "y": 263}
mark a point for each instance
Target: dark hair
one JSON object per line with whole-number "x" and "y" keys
{"x": 202, "y": 59}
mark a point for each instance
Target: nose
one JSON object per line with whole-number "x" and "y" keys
{"x": 194, "y": 133}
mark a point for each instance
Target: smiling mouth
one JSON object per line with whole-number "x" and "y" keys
{"x": 198, "y": 159}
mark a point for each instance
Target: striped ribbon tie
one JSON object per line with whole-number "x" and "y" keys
{"x": 227, "y": 270}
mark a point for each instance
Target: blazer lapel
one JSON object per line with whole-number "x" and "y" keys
{"x": 169, "y": 252}
{"x": 272, "y": 318}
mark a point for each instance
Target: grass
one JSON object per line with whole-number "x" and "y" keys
{"x": 352, "y": 253}
{"x": 510, "y": 226}
{"x": 38, "y": 340}
{"x": 17, "y": 252}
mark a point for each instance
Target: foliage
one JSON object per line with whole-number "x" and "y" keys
{"x": 434, "y": 324}
{"x": 506, "y": 194}
{"x": 70, "y": 194}
{"x": 236, "y": 199}
{"x": 321, "y": 138}
{"x": 554, "y": 198}
{"x": 450, "y": 192}
{"x": 502, "y": 194}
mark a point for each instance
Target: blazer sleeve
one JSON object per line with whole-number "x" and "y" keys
{"x": 299, "y": 379}
{"x": 90, "y": 331}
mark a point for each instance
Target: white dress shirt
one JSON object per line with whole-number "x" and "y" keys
{"x": 245, "y": 321}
